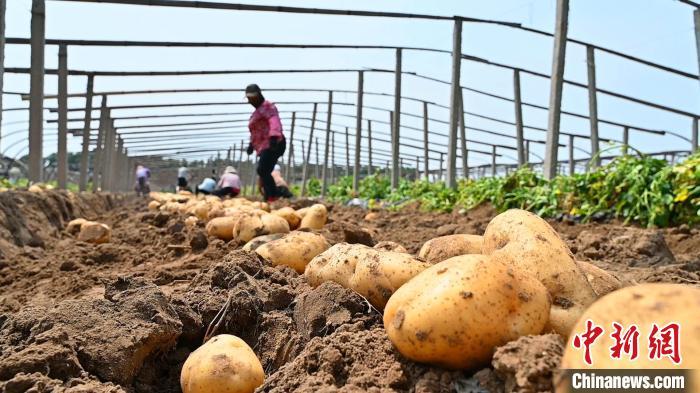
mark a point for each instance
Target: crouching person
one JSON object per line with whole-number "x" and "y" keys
{"x": 229, "y": 183}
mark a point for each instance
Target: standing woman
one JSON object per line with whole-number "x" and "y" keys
{"x": 266, "y": 139}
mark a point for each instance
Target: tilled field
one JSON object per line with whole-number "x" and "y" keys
{"x": 124, "y": 316}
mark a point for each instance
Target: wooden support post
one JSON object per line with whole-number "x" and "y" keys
{"x": 97, "y": 165}
{"x": 556, "y": 89}
{"x": 593, "y": 106}
{"x": 396, "y": 124}
{"x": 527, "y": 152}
{"x": 87, "y": 126}
{"x": 291, "y": 146}
{"x": 369, "y": 146}
{"x": 625, "y": 140}
{"x": 36, "y": 92}
{"x": 442, "y": 159}
{"x": 572, "y": 164}
{"x": 493, "y": 161}
{"x": 2, "y": 60}
{"x": 463, "y": 136}
{"x": 426, "y": 162}
{"x": 694, "y": 137}
{"x": 358, "y": 130}
{"x": 240, "y": 155}
{"x": 307, "y": 157}
{"x": 324, "y": 172}
{"x": 332, "y": 167}
{"x": 106, "y": 153}
{"x": 61, "y": 154}
{"x": 454, "y": 103}
{"x": 318, "y": 161}
{"x": 417, "y": 168}
{"x": 347, "y": 152}
{"x": 117, "y": 167}
{"x": 519, "y": 128}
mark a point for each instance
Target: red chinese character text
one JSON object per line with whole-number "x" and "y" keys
{"x": 665, "y": 342}
{"x": 588, "y": 337}
{"x": 627, "y": 343}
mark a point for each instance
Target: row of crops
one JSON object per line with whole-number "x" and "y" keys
{"x": 637, "y": 189}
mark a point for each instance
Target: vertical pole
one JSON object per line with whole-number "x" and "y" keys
{"x": 324, "y": 172}
{"x": 519, "y": 128}
{"x": 696, "y": 18}
{"x": 556, "y": 89}
{"x": 307, "y": 158}
{"x": 85, "y": 152}
{"x": 318, "y": 161}
{"x": 527, "y": 152}
{"x": 369, "y": 147}
{"x": 240, "y": 154}
{"x": 332, "y": 168}
{"x": 2, "y": 60}
{"x": 97, "y": 165}
{"x": 454, "y": 103}
{"x": 417, "y": 168}
{"x": 106, "y": 152}
{"x": 442, "y": 158}
{"x": 426, "y": 163}
{"x": 347, "y": 152}
{"x": 358, "y": 130}
{"x": 694, "y": 137}
{"x": 117, "y": 165}
{"x": 625, "y": 140}
{"x": 36, "y": 91}
{"x": 463, "y": 136}
{"x": 593, "y": 106}
{"x": 572, "y": 165}
{"x": 61, "y": 154}
{"x": 493, "y": 161}
{"x": 396, "y": 123}
{"x": 291, "y": 146}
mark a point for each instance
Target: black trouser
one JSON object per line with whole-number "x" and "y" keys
{"x": 230, "y": 191}
{"x": 198, "y": 190}
{"x": 266, "y": 163}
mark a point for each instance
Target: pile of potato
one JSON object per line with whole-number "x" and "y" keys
{"x": 89, "y": 231}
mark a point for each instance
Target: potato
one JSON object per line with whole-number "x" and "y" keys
{"x": 224, "y": 364}
{"x": 293, "y": 219}
{"x": 256, "y": 242}
{"x": 201, "y": 210}
{"x": 247, "y": 227}
{"x": 214, "y": 212}
{"x": 371, "y": 216}
{"x": 521, "y": 239}
{"x": 191, "y": 221}
{"x": 153, "y": 205}
{"x": 440, "y": 248}
{"x": 221, "y": 227}
{"x": 455, "y": 313}
{"x": 315, "y": 217}
{"x": 73, "y": 226}
{"x": 302, "y": 212}
{"x": 274, "y": 224}
{"x": 94, "y": 232}
{"x": 601, "y": 281}
{"x": 387, "y": 245}
{"x": 642, "y": 305}
{"x": 35, "y": 188}
{"x": 373, "y": 274}
{"x": 294, "y": 250}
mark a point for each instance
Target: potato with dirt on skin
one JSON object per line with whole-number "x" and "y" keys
{"x": 295, "y": 249}
{"x": 643, "y": 306}
{"x": 455, "y": 313}
{"x": 292, "y": 217}
{"x": 221, "y": 227}
{"x": 374, "y": 274}
{"x": 73, "y": 226}
{"x": 95, "y": 232}
{"x": 521, "y": 239}
{"x": 153, "y": 205}
{"x": 315, "y": 217}
{"x": 247, "y": 227}
{"x": 191, "y": 221}
{"x": 224, "y": 364}
{"x": 274, "y": 224}
{"x": 387, "y": 245}
{"x": 441, "y": 248}
{"x": 601, "y": 281}
{"x": 256, "y": 242}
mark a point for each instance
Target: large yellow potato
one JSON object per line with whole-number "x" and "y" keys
{"x": 246, "y": 227}
{"x": 315, "y": 217}
{"x": 293, "y": 219}
{"x": 388, "y": 245}
{"x": 224, "y": 364}
{"x": 221, "y": 227}
{"x": 274, "y": 224}
{"x": 201, "y": 210}
{"x": 521, "y": 239}
{"x": 374, "y": 274}
{"x": 95, "y": 232}
{"x": 73, "y": 226}
{"x": 256, "y": 242}
{"x": 454, "y": 314}
{"x": 294, "y": 250}
{"x": 641, "y": 305}
{"x": 440, "y": 248}
{"x": 153, "y": 205}
{"x": 601, "y": 281}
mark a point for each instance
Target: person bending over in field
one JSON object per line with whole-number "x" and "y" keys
{"x": 142, "y": 175}
{"x": 229, "y": 183}
{"x": 183, "y": 177}
{"x": 206, "y": 187}
{"x": 266, "y": 139}
{"x": 282, "y": 187}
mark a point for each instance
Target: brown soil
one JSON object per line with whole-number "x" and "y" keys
{"x": 124, "y": 316}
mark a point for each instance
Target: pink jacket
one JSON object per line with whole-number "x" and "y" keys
{"x": 263, "y": 124}
{"x": 230, "y": 180}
